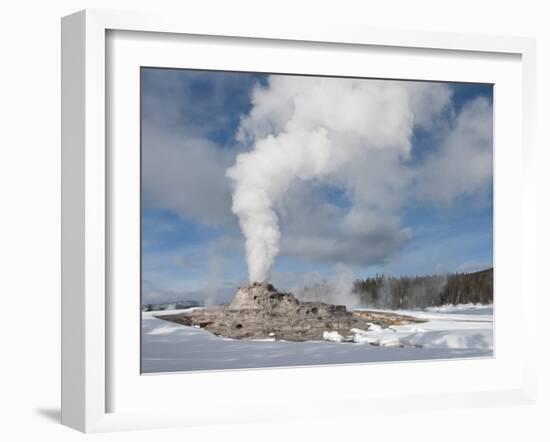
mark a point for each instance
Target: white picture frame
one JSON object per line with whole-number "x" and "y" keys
{"x": 86, "y": 204}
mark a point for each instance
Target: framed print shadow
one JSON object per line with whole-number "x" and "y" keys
{"x": 292, "y": 220}
{"x": 258, "y": 212}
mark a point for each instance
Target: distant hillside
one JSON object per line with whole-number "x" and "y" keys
{"x": 177, "y": 305}
{"x": 424, "y": 291}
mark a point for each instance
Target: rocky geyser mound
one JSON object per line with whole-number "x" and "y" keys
{"x": 259, "y": 311}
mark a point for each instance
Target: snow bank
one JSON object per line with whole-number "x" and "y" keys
{"x": 467, "y": 326}
{"x": 333, "y": 336}
{"x": 450, "y": 333}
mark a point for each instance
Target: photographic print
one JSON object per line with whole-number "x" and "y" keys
{"x": 294, "y": 220}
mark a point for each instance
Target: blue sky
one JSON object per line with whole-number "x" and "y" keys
{"x": 438, "y": 219}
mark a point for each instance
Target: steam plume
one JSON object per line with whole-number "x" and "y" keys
{"x": 318, "y": 128}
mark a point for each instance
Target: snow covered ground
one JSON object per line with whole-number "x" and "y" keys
{"x": 451, "y": 332}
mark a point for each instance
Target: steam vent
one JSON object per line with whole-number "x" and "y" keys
{"x": 259, "y": 311}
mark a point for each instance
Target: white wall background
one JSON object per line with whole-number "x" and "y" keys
{"x": 30, "y": 214}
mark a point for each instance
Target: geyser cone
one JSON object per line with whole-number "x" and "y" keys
{"x": 259, "y": 311}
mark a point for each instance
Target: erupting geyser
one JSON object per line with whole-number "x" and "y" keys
{"x": 304, "y": 129}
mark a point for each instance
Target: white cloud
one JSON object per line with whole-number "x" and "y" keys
{"x": 187, "y": 176}
{"x": 183, "y": 114}
{"x": 464, "y": 163}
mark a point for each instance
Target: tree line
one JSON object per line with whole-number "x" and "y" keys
{"x": 404, "y": 292}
